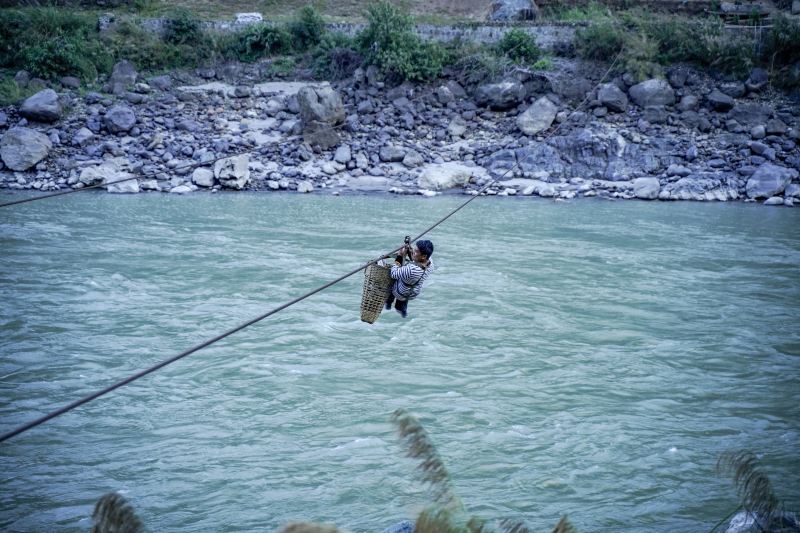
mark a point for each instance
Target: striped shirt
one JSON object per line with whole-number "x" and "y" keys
{"x": 410, "y": 278}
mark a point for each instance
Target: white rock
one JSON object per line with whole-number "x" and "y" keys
{"x": 248, "y": 18}
{"x": 646, "y": 188}
{"x": 538, "y": 117}
{"x": 450, "y": 175}
{"x": 305, "y": 186}
{"x": 181, "y": 189}
{"x": 774, "y": 200}
{"x": 233, "y": 172}
{"x": 203, "y": 177}
{"x": 111, "y": 170}
{"x": 343, "y": 154}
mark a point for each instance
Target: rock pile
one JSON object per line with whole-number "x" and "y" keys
{"x": 685, "y": 138}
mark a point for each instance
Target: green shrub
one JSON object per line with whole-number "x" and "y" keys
{"x": 11, "y": 93}
{"x": 258, "y": 41}
{"x": 729, "y": 55}
{"x": 307, "y": 29}
{"x": 183, "y": 28}
{"x": 519, "y": 46}
{"x": 544, "y": 63}
{"x": 782, "y": 45}
{"x": 601, "y": 40}
{"x": 389, "y": 43}
{"x": 336, "y": 57}
{"x": 592, "y": 11}
{"x": 51, "y": 42}
{"x": 282, "y": 66}
{"x": 148, "y": 52}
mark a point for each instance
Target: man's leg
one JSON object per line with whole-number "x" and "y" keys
{"x": 389, "y": 301}
{"x": 402, "y": 307}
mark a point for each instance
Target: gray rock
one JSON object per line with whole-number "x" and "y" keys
{"x": 757, "y": 80}
{"x": 655, "y": 114}
{"x": 22, "y": 78}
{"x": 82, "y": 137}
{"x": 689, "y": 102}
{"x": 42, "y": 107}
{"x": 204, "y": 177}
{"x": 242, "y": 91}
{"x": 775, "y": 127}
{"x": 538, "y": 117}
{"x": 758, "y": 132}
{"x": 233, "y": 172}
{"x": 444, "y": 95}
{"x": 22, "y": 148}
{"x": 710, "y": 186}
{"x": 122, "y": 76}
{"x": 774, "y": 200}
{"x": 119, "y": 119}
{"x": 181, "y": 189}
{"x": 70, "y": 82}
{"x": 413, "y": 159}
{"x": 500, "y": 96}
{"x": 769, "y": 180}
{"x": 792, "y": 190}
{"x": 321, "y": 105}
{"x": 678, "y": 170}
{"x": 734, "y": 89}
{"x": 392, "y": 154}
{"x": 796, "y": 7}
{"x": 112, "y": 170}
{"x": 162, "y": 83}
{"x": 457, "y": 127}
{"x": 443, "y": 176}
{"x": 720, "y": 101}
{"x": 750, "y": 114}
{"x": 652, "y": 92}
{"x": 343, "y": 154}
{"x": 612, "y": 97}
{"x": 511, "y": 10}
{"x": 646, "y": 188}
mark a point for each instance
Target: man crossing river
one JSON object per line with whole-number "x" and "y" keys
{"x": 411, "y": 276}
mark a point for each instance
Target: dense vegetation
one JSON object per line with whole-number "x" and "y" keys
{"x": 51, "y": 43}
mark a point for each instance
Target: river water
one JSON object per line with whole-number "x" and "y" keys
{"x": 590, "y": 358}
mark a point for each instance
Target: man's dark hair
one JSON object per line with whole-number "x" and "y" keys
{"x": 426, "y": 247}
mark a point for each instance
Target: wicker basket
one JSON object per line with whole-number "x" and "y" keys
{"x": 377, "y": 285}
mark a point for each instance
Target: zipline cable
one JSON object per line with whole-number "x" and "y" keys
{"x": 32, "y": 424}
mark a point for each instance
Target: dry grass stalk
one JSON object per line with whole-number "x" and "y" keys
{"x": 564, "y": 526}
{"x": 419, "y": 446}
{"x": 113, "y": 514}
{"x": 752, "y": 485}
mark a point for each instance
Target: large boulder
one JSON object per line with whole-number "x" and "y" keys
{"x": 750, "y": 114}
{"x": 720, "y": 101}
{"x": 646, "y": 188}
{"x": 769, "y": 180}
{"x": 123, "y": 76}
{"x": 119, "y": 119}
{"x": 612, "y": 97}
{"x": 321, "y": 104}
{"x": 652, "y": 92}
{"x": 538, "y": 117}
{"x": 233, "y": 172}
{"x": 111, "y": 170}
{"x": 702, "y": 187}
{"x": 511, "y": 10}
{"x": 450, "y": 175}
{"x": 321, "y": 110}
{"x": 42, "y": 107}
{"x": 500, "y": 96}
{"x": 22, "y": 148}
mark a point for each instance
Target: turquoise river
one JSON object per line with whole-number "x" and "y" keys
{"x": 589, "y": 358}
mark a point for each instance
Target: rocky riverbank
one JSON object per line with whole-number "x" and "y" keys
{"x": 689, "y": 137}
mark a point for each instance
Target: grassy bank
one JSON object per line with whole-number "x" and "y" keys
{"x": 51, "y": 43}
